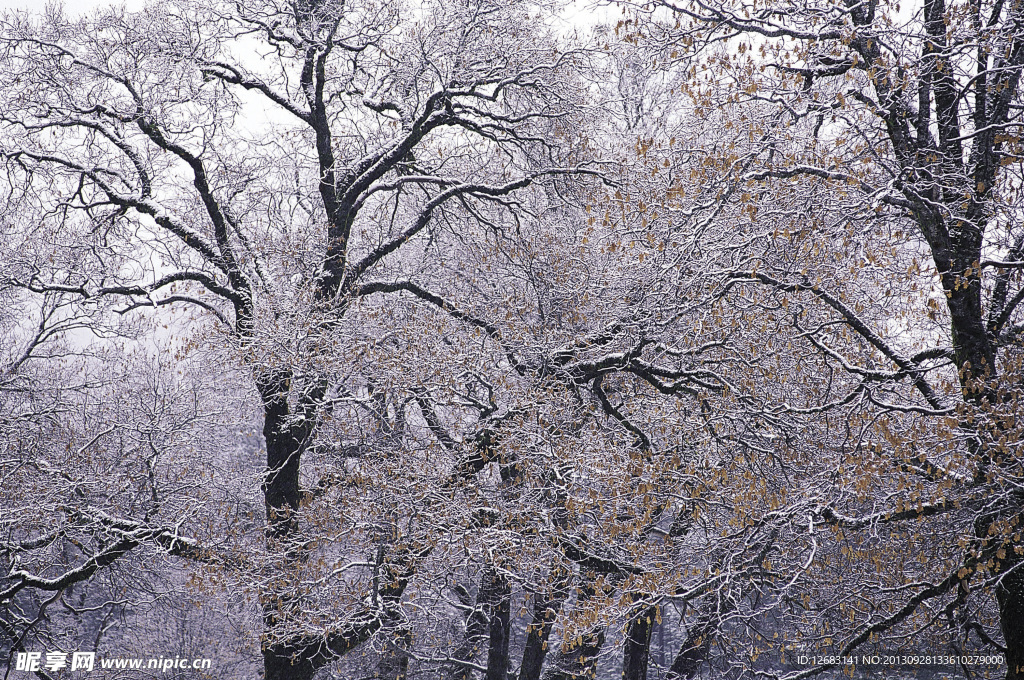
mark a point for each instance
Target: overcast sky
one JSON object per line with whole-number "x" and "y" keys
{"x": 72, "y": 7}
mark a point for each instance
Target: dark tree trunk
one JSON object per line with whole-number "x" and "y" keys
{"x": 394, "y": 663}
{"x": 693, "y": 652}
{"x": 500, "y": 611}
{"x": 975, "y": 357}
{"x": 577, "y": 660}
{"x": 637, "y": 646}
{"x": 1009, "y": 592}
{"x": 537, "y": 633}
{"x": 576, "y": 657}
{"x": 545, "y": 610}
{"x": 281, "y": 492}
{"x": 473, "y": 640}
{"x": 278, "y": 664}
{"x": 1010, "y": 596}
{"x": 286, "y": 660}
{"x": 489, "y": 623}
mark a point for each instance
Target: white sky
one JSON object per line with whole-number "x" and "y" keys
{"x": 71, "y": 7}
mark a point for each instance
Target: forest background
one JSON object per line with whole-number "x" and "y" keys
{"x": 476, "y": 339}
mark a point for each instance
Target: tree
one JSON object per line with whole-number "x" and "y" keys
{"x": 390, "y": 137}
{"x": 475, "y": 368}
{"x": 478, "y": 372}
{"x": 884, "y": 178}
{"x": 533, "y": 354}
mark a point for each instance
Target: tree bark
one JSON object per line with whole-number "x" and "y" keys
{"x": 637, "y": 646}
{"x": 578, "y": 660}
{"x": 1009, "y": 593}
{"x": 476, "y": 633}
{"x": 488, "y": 623}
{"x": 394, "y": 663}
{"x": 278, "y": 665}
{"x": 693, "y": 652}
{"x": 545, "y": 611}
{"x": 286, "y": 660}
{"x": 1010, "y": 596}
{"x": 281, "y": 492}
{"x": 500, "y": 632}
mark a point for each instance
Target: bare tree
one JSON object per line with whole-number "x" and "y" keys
{"x": 881, "y": 177}
{"x": 394, "y": 144}
{"x": 428, "y": 344}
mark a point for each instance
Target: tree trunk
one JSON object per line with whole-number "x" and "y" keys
{"x": 693, "y": 651}
{"x": 281, "y": 493}
{"x": 577, "y": 661}
{"x": 489, "y": 622}
{"x": 476, "y": 633}
{"x": 1010, "y": 596}
{"x": 278, "y": 664}
{"x": 282, "y": 496}
{"x": 637, "y": 646}
{"x": 500, "y": 633}
{"x": 394, "y": 663}
{"x": 545, "y": 610}
{"x": 975, "y": 358}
